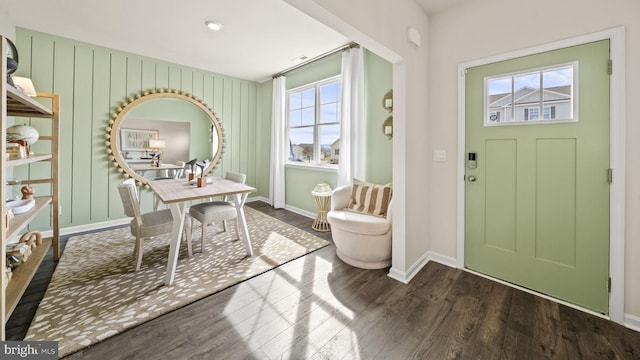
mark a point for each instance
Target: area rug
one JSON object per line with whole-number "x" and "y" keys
{"x": 95, "y": 294}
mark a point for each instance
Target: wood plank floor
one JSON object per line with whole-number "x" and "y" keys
{"x": 317, "y": 307}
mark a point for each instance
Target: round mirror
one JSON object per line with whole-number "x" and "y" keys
{"x": 165, "y": 128}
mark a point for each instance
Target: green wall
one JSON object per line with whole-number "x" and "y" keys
{"x": 91, "y": 82}
{"x": 300, "y": 181}
{"x": 379, "y": 75}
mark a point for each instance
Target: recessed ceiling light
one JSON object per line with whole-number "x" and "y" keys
{"x": 213, "y": 25}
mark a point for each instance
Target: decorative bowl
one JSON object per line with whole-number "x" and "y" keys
{"x": 21, "y": 206}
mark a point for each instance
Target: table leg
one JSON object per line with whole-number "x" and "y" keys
{"x": 178, "y": 213}
{"x": 240, "y": 200}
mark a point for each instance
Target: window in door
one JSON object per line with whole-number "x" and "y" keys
{"x": 532, "y": 96}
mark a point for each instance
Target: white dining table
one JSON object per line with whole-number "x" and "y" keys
{"x": 176, "y": 193}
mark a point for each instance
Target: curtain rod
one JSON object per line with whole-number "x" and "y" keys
{"x": 328, "y": 53}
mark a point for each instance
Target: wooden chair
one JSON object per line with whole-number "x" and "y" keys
{"x": 145, "y": 225}
{"x": 214, "y": 211}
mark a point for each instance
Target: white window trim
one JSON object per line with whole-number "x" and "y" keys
{"x": 540, "y": 121}
{"x": 317, "y": 147}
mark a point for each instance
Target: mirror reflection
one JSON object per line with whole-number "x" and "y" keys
{"x": 155, "y": 135}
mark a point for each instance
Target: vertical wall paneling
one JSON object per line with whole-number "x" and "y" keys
{"x": 162, "y": 75}
{"x": 226, "y": 116}
{"x": 218, "y": 108}
{"x": 186, "y": 80}
{"x": 101, "y": 105}
{"x": 92, "y": 81}
{"x": 118, "y": 92}
{"x": 250, "y": 133}
{"x": 197, "y": 82}
{"x": 82, "y": 135}
{"x": 236, "y": 123}
{"x": 63, "y": 77}
{"x": 263, "y": 137}
{"x": 148, "y": 75}
{"x": 175, "y": 77}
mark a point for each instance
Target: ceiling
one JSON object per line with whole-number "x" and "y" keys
{"x": 259, "y": 37}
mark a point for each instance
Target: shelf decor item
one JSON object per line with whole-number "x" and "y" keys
{"x": 26, "y": 133}
{"x": 25, "y": 85}
{"x": 12, "y": 61}
{"x": 202, "y": 181}
{"x": 27, "y": 192}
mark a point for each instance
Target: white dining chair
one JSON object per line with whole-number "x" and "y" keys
{"x": 217, "y": 211}
{"x": 179, "y": 172}
{"x": 147, "y": 225}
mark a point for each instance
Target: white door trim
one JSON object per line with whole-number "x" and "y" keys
{"x": 617, "y": 152}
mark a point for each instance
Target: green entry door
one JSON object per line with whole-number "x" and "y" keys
{"x": 537, "y": 195}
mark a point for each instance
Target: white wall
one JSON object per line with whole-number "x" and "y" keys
{"x": 479, "y": 29}
{"x": 7, "y": 25}
{"x": 381, "y": 27}
{"x": 425, "y": 104}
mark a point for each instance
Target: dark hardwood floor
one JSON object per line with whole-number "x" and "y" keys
{"x": 317, "y": 307}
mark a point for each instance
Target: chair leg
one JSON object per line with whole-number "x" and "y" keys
{"x": 138, "y": 252}
{"x": 187, "y": 235}
{"x": 204, "y": 230}
{"x": 224, "y": 225}
{"x": 186, "y": 230}
{"x": 237, "y": 225}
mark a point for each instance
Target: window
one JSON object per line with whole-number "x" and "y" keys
{"x": 313, "y": 113}
{"x": 532, "y": 96}
{"x": 548, "y": 113}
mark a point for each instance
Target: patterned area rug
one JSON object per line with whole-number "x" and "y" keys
{"x": 95, "y": 294}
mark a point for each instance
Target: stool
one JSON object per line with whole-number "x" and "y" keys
{"x": 323, "y": 202}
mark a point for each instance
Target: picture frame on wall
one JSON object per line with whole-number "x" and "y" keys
{"x": 136, "y": 139}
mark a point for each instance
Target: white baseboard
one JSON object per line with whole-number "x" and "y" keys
{"x": 302, "y": 212}
{"x": 405, "y": 277}
{"x": 293, "y": 209}
{"x": 632, "y": 322}
{"x": 88, "y": 227}
{"x": 118, "y": 222}
{"x": 259, "y": 198}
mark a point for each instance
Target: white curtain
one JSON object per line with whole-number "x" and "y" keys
{"x": 278, "y": 143}
{"x": 353, "y": 124}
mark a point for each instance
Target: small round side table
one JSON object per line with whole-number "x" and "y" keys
{"x": 323, "y": 202}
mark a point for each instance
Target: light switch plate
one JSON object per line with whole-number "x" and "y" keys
{"x": 439, "y": 155}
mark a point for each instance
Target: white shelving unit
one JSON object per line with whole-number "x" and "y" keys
{"x": 15, "y": 103}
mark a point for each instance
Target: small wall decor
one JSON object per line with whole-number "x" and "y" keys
{"x": 387, "y": 101}
{"x": 387, "y": 125}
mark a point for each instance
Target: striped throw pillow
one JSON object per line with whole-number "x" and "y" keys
{"x": 370, "y": 198}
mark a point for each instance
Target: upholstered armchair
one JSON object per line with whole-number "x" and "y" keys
{"x": 362, "y": 240}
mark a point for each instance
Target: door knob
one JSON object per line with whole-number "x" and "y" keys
{"x": 471, "y": 178}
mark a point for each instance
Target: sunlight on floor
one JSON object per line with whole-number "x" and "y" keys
{"x": 292, "y": 310}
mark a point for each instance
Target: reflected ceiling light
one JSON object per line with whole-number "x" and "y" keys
{"x": 213, "y": 25}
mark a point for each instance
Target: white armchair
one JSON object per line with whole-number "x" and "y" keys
{"x": 361, "y": 240}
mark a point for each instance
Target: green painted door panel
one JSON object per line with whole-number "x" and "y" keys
{"x": 537, "y": 214}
